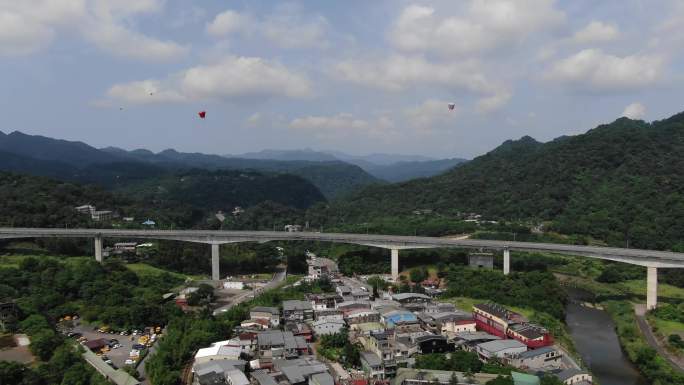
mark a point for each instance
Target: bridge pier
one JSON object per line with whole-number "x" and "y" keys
{"x": 395, "y": 264}
{"x": 651, "y": 287}
{"x": 215, "y": 274}
{"x": 98, "y": 248}
{"x": 506, "y": 261}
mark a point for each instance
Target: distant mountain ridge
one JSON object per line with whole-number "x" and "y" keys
{"x": 387, "y": 167}
{"x": 113, "y": 167}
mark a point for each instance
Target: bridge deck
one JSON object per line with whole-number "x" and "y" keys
{"x": 654, "y": 258}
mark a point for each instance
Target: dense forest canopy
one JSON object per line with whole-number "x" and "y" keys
{"x": 620, "y": 182}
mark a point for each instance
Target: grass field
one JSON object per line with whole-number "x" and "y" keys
{"x": 466, "y": 303}
{"x": 638, "y": 287}
{"x": 143, "y": 269}
{"x": 668, "y": 327}
{"x": 12, "y": 260}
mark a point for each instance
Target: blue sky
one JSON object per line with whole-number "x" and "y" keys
{"x": 354, "y": 76}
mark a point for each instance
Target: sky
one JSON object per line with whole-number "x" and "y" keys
{"x": 356, "y": 76}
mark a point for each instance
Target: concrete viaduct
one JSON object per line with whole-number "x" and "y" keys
{"x": 651, "y": 259}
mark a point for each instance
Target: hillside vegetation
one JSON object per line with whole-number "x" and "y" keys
{"x": 621, "y": 182}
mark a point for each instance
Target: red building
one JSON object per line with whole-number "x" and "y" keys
{"x": 499, "y": 321}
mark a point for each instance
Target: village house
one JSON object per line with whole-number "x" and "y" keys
{"x": 500, "y": 349}
{"x": 575, "y": 377}
{"x": 323, "y": 301}
{"x": 296, "y": 310}
{"x": 271, "y": 314}
{"x": 359, "y": 316}
{"x": 326, "y": 327}
{"x": 280, "y": 344}
{"x": 545, "y": 358}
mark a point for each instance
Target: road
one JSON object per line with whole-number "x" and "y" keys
{"x": 640, "y": 312}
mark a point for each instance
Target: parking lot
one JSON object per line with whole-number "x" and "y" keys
{"x": 119, "y": 355}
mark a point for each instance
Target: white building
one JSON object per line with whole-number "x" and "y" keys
{"x": 500, "y": 349}
{"x": 217, "y": 352}
{"x": 237, "y": 285}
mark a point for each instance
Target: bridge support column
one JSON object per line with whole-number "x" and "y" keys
{"x": 98, "y": 248}
{"x": 215, "y": 274}
{"x": 651, "y": 288}
{"x": 395, "y": 265}
{"x": 506, "y": 261}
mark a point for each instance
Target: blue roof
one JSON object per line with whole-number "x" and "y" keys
{"x": 400, "y": 316}
{"x": 149, "y": 223}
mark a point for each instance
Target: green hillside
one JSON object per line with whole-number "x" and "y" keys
{"x": 620, "y": 182}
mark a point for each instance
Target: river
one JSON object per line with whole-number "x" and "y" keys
{"x": 594, "y": 334}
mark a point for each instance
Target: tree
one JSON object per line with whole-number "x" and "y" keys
{"x": 352, "y": 355}
{"x": 418, "y": 274}
{"x": 43, "y": 344}
{"x": 204, "y": 295}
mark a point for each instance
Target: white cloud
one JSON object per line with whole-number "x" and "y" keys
{"x": 596, "y": 70}
{"x": 285, "y": 27}
{"x": 596, "y": 32}
{"x": 229, "y": 22}
{"x": 344, "y": 126}
{"x": 485, "y": 25}
{"x": 28, "y": 26}
{"x": 17, "y": 37}
{"x": 493, "y": 102}
{"x": 120, "y": 41}
{"x": 291, "y": 31}
{"x": 230, "y": 78}
{"x": 399, "y": 72}
{"x": 634, "y": 111}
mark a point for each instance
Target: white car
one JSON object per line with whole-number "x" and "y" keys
{"x": 129, "y": 362}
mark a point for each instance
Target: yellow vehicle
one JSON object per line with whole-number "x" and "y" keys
{"x": 104, "y": 329}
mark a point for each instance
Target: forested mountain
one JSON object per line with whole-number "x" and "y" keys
{"x": 333, "y": 178}
{"x": 184, "y": 200}
{"x": 225, "y": 189}
{"x": 113, "y": 167}
{"x": 620, "y": 182}
{"x": 305, "y": 154}
{"x": 404, "y": 171}
{"x": 44, "y": 148}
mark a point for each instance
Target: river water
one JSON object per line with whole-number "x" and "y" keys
{"x": 594, "y": 334}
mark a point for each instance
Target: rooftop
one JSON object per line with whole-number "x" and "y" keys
{"x": 371, "y": 358}
{"x": 294, "y": 304}
{"x": 537, "y": 352}
{"x": 569, "y": 373}
{"x": 499, "y": 345}
{"x": 263, "y": 378}
{"x": 405, "y": 296}
{"x": 476, "y": 336}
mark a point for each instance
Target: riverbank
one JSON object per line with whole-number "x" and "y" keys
{"x": 618, "y": 303}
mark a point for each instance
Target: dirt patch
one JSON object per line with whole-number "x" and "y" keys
{"x": 7, "y": 341}
{"x": 19, "y": 354}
